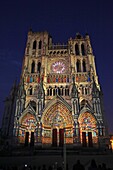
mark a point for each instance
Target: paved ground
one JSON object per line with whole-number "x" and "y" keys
{"x": 53, "y": 159}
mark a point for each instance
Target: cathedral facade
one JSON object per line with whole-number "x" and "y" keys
{"x": 59, "y": 98}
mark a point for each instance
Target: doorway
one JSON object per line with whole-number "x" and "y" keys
{"x": 90, "y": 143}
{"x": 61, "y": 137}
{"x": 87, "y": 139}
{"x": 54, "y": 137}
{"x": 84, "y": 143}
{"x": 32, "y": 139}
{"x": 57, "y": 137}
{"x": 29, "y": 138}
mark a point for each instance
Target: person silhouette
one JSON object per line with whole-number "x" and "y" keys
{"x": 50, "y": 168}
{"x": 93, "y": 165}
{"x": 78, "y": 166}
{"x": 104, "y": 166}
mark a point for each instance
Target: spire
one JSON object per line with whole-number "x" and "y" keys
{"x": 21, "y": 90}
{"x": 74, "y": 92}
{"x": 22, "y": 84}
{"x": 13, "y": 89}
{"x": 95, "y": 90}
{"x": 30, "y": 31}
{"x": 15, "y": 83}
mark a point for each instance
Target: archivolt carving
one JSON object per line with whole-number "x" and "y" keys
{"x": 57, "y": 115}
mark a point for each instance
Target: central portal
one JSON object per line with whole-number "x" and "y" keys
{"x": 57, "y": 124}
{"x": 57, "y": 137}
{"x": 87, "y": 139}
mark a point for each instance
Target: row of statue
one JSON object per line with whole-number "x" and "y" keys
{"x": 36, "y": 79}
{"x": 81, "y": 78}
{"x": 57, "y": 78}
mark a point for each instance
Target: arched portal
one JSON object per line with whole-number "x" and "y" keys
{"x": 88, "y": 129}
{"x": 57, "y": 125}
{"x": 27, "y": 129}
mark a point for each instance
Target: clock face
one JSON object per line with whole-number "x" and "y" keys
{"x": 58, "y": 67}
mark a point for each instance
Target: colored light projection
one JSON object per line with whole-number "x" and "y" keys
{"x": 81, "y": 77}
{"x": 87, "y": 124}
{"x": 58, "y": 67}
{"x": 28, "y": 123}
{"x": 57, "y": 117}
{"x": 53, "y": 78}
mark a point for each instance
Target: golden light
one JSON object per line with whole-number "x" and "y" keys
{"x": 111, "y": 144}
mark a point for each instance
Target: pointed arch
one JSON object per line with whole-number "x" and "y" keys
{"x": 40, "y": 44}
{"x": 33, "y": 104}
{"x": 67, "y": 91}
{"x": 57, "y": 99}
{"x": 47, "y": 92}
{"x": 82, "y": 49}
{"x": 77, "y": 49}
{"x": 78, "y": 66}
{"x": 62, "y": 90}
{"x": 50, "y": 91}
{"x": 30, "y": 91}
{"x": 88, "y": 124}
{"x": 27, "y": 124}
{"x": 82, "y": 90}
{"x": 25, "y": 117}
{"x": 60, "y": 110}
{"x": 39, "y": 67}
{"x": 84, "y": 65}
{"x": 33, "y": 67}
{"x": 85, "y": 91}
{"x": 34, "y": 45}
{"x": 83, "y": 103}
{"x": 59, "y": 93}
{"x": 54, "y": 92}
{"x": 57, "y": 116}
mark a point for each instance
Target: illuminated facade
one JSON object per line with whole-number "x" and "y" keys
{"x": 59, "y": 97}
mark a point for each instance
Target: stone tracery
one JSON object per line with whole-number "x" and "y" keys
{"x": 48, "y": 72}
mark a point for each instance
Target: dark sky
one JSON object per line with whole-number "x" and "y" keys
{"x": 62, "y": 19}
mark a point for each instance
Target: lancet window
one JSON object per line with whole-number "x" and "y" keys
{"x": 82, "y": 49}
{"x": 78, "y": 66}
{"x": 84, "y": 66}
{"x": 39, "y": 67}
{"x": 34, "y": 45}
{"x": 33, "y": 67}
{"x": 77, "y": 49}
{"x": 58, "y": 91}
{"x": 40, "y": 44}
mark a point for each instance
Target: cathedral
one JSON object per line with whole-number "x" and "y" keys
{"x": 59, "y": 99}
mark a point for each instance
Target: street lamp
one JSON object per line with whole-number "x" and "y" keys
{"x": 65, "y": 146}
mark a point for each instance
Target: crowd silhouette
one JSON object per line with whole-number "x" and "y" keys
{"x": 77, "y": 166}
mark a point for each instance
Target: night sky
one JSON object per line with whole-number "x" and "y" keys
{"x": 62, "y": 19}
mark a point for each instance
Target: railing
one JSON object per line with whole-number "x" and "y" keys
{"x": 58, "y": 46}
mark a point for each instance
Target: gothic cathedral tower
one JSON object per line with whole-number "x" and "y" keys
{"x": 59, "y": 98}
